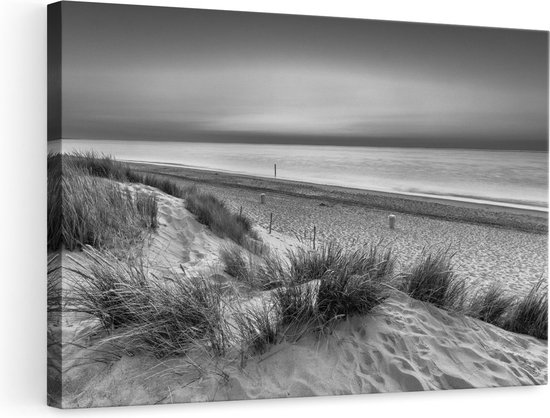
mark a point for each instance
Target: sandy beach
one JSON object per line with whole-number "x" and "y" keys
{"x": 491, "y": 244}
{"x": 403, "y": 345}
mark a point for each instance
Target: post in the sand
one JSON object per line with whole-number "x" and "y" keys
{"x": 275, "y": 169}
{"x": 391, "y": 221}
{"x": 241, "y": 212}
{"x": 270, "y": 221}
{"x": 262, "y": 198}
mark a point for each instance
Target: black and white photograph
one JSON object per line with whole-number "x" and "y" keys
{"x": 246, "y": 205}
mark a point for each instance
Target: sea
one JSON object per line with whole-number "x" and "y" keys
{"x": 505, "y": 178}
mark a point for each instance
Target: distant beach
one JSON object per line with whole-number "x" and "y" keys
{"x": 490, "y": 242}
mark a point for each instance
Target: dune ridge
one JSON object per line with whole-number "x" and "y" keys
{"x": 404, "y": 345}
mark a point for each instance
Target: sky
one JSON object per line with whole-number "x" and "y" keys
{"x": 136, "y": 72}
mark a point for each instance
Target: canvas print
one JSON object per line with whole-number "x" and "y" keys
{"x": 247, "y": 205}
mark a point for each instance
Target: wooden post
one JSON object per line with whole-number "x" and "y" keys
{"x": 270, "y": 221}
{"x": 314, "y": 235}
{"x": 275, "y": 168}
{"x": 262, "y": 198}
{"x": 241, "y": 212}
{"x": 391, "y": 221}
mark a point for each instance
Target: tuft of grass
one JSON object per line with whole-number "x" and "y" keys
{"x": 110, "y": 290}
{"x": 237, "y": 264}
{"x": 258, "y": 328}
{"x": 54, "y": 289}
{"x": 331, "y": 284}
{"x": 180, "y": 315}
{"x": 530, "y": 314}
{"x": 85, "y": 209}
{"x": 209, "y": 210}
{"x": 433, "y": 280}
{"x": 98, "y": 212}
{"x": 296, "y": 306}
{"x": 54, "y": 201}
{"x": 213, "y": 213}
{"x": 343, "y": 295}
{"x": 490, "y": 306}
{"x": 311, "y": 292}
{"x": 273, "y": 272}
{"x": 161, "y": 318}
{"x": 147, "y": 208}
{"x": 308, "y": 265}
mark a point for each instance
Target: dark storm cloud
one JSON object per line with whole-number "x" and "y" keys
{"x": 139, "y": 72}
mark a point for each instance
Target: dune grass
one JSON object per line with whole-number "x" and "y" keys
{"x": 307, "y": 265}
{"x": 97, "y": 212}
{"x": 530, "y": 314}
{"x": 54, "y": 202}
{"x": 526, "y": 315}
{"x": 209, "y": 210}
{"x": 143, "y": 314}
{"x": 53, "y": 287}
{"x": 258, "y": 328}
{"x": 313, "y": 289}
{"x": 213, "y": 213}
{"x": 433, "y": 280}
{"x": 491, "y": 305}
{"x": 238, "y": 264}
{"x": 169, "y": 317}
{"x": 172, "y": 317}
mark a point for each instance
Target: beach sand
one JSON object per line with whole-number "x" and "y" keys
{"x": 403, "y": 345}
{"x": 491, "y": 244}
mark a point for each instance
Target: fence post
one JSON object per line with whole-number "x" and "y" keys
{"x": 262, "y": 198}
{"x": 391, "y": 221}
{"x": 270, "y": 221}
{"x": 314, "y": 235}
{"x": 275, "y": 168}
{"x": 241, "y": 212}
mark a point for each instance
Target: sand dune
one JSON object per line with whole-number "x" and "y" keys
{"x": 404, "y": 345}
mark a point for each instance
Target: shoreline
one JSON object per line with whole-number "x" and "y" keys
{"x": 523, "y": 219}
{"x": 435, "y": 197}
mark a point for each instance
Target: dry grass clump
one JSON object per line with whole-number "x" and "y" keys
{"x": 54, "y": 201}
{"x": 209, "y": 210}
{"x": 83, "y": 209}
{"x": 491, "y": 305}
{"x": 238, "y": 264}
{"x": 302, "y": 266}
{"x": 316, "y": 289}
{"x": 98, "y": 212}
{"x": 530, "y": 314}
{"x": 99, "y": 165}
{"x": 54, "y": 290}
{"x": 258, "y": 328}
{"x": 342, "y": 295}
{"x": 144, "y": 314}
{"x": 108, "y": 289}
{"x": 296, "y": 306}
{"x": 433, "y": 280}
{"x": 213, "y": 213}
{"x": 248, "y": 268}
{"x": 307, "y": 265}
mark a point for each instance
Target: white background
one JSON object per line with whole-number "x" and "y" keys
{"x": 23, "y": 219}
